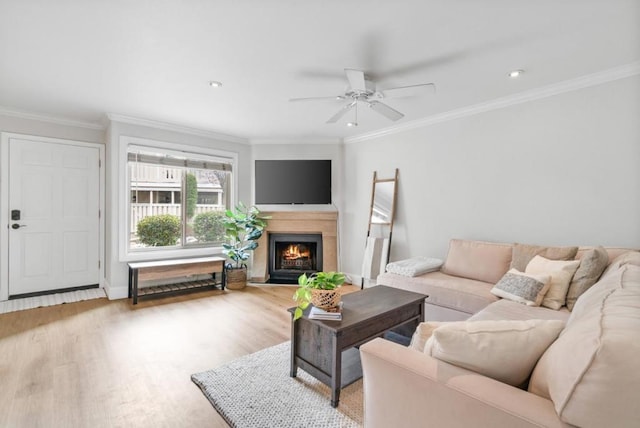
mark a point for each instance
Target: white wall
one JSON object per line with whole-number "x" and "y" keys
{"x": 49, "y": 129}
{"x": 558, "y": 170}
{"x": 116, "y": 270}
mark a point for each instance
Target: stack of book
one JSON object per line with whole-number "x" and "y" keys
{"x": 320, "y": 314}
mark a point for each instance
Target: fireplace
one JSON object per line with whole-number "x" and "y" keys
{"x": 324, "y": 223}
{"x": 292, "y": 254}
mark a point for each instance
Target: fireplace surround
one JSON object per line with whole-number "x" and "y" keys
{"x": 324, "y": 223}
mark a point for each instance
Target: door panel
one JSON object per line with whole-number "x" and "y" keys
{"x": 56, "y": 187}
{"x": 74, "y": 261}
{"x": 36, "y": 263}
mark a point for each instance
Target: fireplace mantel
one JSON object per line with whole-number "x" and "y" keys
{"x": 323, "y": 222}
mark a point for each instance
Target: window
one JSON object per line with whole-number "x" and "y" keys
{"x": 177, "y": 200}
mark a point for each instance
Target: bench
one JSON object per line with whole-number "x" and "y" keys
{"x": 162, "y": 269}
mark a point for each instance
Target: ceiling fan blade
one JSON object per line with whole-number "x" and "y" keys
{"x": 336, "y": 117}
{"x": 385, "y": 110}
{"x": 334, "y": 98}
{"x": 408, "y": 91}
{"x": 356, "y": 79}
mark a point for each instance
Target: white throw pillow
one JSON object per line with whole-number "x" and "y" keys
{"x": 504, "y": 350}
{"x": 561, "y": 273}
{"x": 523, "y": 288}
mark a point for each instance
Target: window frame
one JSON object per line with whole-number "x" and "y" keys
{"x": 124, "y": 200}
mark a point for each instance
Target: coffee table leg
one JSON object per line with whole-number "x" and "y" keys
{"x": 336, "y": 375}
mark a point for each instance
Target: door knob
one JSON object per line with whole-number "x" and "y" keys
{"x": 17, "y": 226}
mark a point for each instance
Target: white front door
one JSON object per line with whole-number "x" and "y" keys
{"x": 54, "y": 221}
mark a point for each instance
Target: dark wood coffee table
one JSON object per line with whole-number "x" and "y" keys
{"x": 326, "y": 349}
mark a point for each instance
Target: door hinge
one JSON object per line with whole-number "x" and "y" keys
{"x": 98, "y": 264}
{"x": 99, "y": 163}
{"x": 99, "y": 213}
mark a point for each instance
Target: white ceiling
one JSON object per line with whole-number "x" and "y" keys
{"x": 152, "y": 59}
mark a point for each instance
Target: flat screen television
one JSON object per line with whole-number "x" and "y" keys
{"x": 293, "y": 181}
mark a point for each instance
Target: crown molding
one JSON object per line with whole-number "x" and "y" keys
{"x": 301, "y": 140}
{"x": 5, "y": 111}
{"x": 589, "y": 80}
{"x": 175, "y": 128}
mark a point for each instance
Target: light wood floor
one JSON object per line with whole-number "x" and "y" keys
{"x": 103, "y": 363}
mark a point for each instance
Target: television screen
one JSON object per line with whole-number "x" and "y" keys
{"x": 293, "y": 181}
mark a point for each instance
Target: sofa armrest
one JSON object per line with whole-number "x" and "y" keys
{"x": 403, "y": 387}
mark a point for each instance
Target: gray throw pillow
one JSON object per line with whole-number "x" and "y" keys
{"x": 522, "y": 288}
{"x": 592, "y": 264}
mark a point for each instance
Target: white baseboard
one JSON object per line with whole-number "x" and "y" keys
{"x": 115, "y": 293}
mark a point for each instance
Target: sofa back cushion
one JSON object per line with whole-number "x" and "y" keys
{"x": 479, "y": 260}
{"x": 629, "y": 257}
{"x": 592, "y": 372}
{"x": 524, "y": 253}
{"x": 613, "y": 252}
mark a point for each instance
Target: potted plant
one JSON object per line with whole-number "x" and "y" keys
{"x": 243, "y": 227}
{"x": 320, "y": 289}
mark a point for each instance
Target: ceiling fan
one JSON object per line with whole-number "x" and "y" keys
{"x": 363, "y": 91}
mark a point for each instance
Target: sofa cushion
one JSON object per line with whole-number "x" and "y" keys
{"x": 561, "y": 273}
{"x": 523, "y": 253}
{"x": 479, "y": 260}
{"x": 522, "y": 288}
{"x": 613, "y": 252}
{"x": 592, "y": 263}
{"x": 592, "y": 372}
{"x": 503, "y": 350}
{"x": 508, "y": 310}
{"x": 460, "y": 294}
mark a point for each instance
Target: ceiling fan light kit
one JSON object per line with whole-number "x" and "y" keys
{"x": 363, "y": 90}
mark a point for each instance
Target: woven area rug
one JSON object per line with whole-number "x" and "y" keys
{"x": 256, "y": 391}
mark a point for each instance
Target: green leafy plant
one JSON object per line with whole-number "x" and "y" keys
{"x": 318, "y": 281}
{"x": 209, "y": 226}
{"x": 243, "y": 227}
{"x": 159, "y": 230}
{"x": 192, "y": 194}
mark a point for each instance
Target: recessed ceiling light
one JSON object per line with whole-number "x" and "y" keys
{"x": 215, "y": 83}
{"x": 352, "y": 124}
{"x": 516, "y": 73}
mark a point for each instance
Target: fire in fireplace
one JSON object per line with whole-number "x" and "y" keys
{"x": 291, "y": 255}
{"x": 295, "y": 256}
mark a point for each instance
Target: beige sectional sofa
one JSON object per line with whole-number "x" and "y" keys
{"x": 588, "y": 376}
